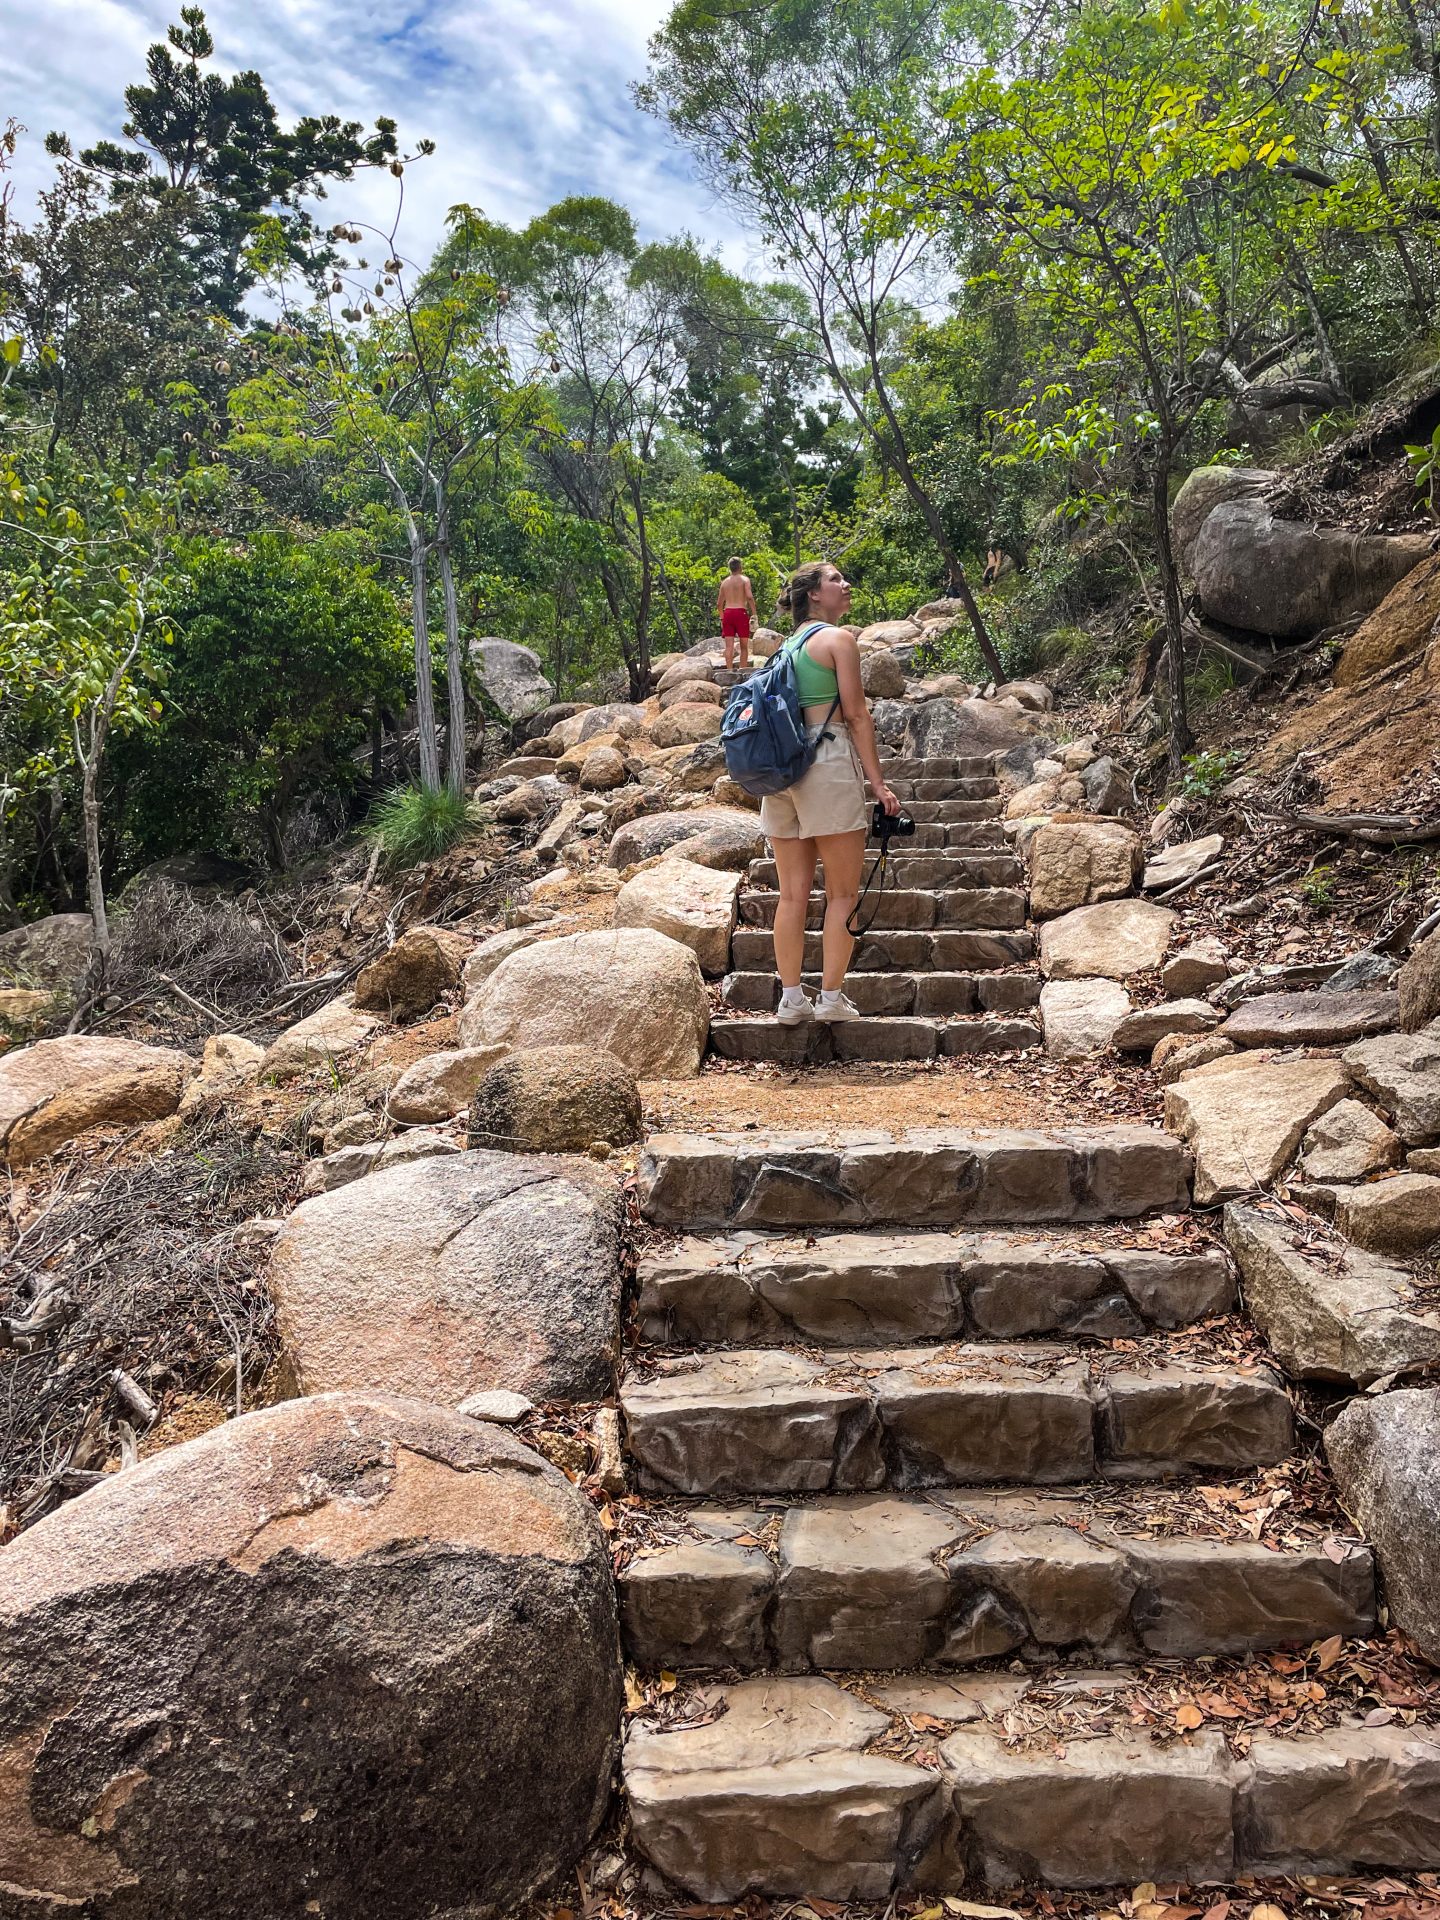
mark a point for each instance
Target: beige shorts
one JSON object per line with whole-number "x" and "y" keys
{"x": 830, "y": 798}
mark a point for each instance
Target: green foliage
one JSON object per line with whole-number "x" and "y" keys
{"x": 1317, "y": 889}
{"x": 414, "y": 824}
{"x": 1425, "y": 470}
{"x": 1206, "y": 773}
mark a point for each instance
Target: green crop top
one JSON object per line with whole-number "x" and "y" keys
{"x": 817, "y": 685}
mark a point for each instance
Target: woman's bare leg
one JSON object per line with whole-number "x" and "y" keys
{"x": 795, "y": 865}
{"x": 842, "y": 855}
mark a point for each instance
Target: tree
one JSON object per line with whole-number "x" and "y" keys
{"x": 779, "y": 100}
{"x": 1138, "y": 173}
{"x": 216, "y": 147}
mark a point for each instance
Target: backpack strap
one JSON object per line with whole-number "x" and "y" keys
{"x": 793, "y": 645}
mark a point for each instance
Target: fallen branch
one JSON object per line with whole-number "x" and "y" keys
{"x": 1184, "y": 886}
{"x": 1371, "y": 829}
{"x": 54, "y": 1309}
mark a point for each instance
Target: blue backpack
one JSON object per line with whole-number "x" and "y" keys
{"x": 763, "y": 732}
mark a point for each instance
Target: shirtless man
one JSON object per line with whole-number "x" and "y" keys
{"x": 736, "y": 605}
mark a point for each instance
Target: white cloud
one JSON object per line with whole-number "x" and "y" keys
{"x": 527, "y": 102}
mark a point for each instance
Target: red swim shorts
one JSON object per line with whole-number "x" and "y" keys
{"x": 734, "y": 623}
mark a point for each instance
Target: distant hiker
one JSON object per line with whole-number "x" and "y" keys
{"x": 823, "y": 816}
{"x": 736, "y": 604}
{"x": 997, "y": 561}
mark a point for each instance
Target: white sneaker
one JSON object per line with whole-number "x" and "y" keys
{"x": 793, "y": 1016}
{"x": 840, "y": 1008}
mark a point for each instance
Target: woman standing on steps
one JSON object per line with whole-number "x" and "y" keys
{"x": 823, "y": 816}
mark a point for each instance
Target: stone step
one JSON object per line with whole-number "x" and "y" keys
{"x": 774, "y": 1421}
{"x": 973, "y": 766}
{"x": 934, "y": 836}
{"x": 930, "y": 994}
{"x": 951, "y": 787}
{"x": 815, "y": 1042}
{"x": 788, "y": 1787}
{"x": 885, "y": 1581}
{"x": 948, "y": 950}
{"x": 969, "y": 909}
{"x": 941, "y": 871}
{"x": 860, "y": 1289}
{"x": 951, "y": 813}
{"x": 937, "y": 1178}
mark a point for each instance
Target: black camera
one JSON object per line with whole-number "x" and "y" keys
{"x": 887, "y": 824}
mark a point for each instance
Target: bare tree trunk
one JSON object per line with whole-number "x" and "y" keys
{"x": 454, "y": 661}
{"x": 1181, "y": 738}
{"x": 424, "y": 685}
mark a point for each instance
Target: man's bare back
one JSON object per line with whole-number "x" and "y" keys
{"x": 735, "y": 603}
{"x": 736, "y": 591}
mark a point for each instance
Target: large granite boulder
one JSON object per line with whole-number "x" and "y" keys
{"x": 1403, "y": 624}
{"x": 1330, "y": 1311}
{"x": 686, "y": 723}
{"x": 1115, "y": 938}
{"x": 420, "y": 969}
{"x": 511, "y": 676}
{"x": 56, "y": 1089}
{"x": 440, "y": 1085}
{"x": 687, "y": 902}
{"x": 1244, "y": 1115}
{"x": 945, "y": 728}
{"x": 52, "y": 953}
{"x": 1074, "y": 863}
{"x": 1384, "y": 1451}
{"x": 353, "y": 1655}
{"x": 1348, "y": 1143}
{"x": 1313, "y": 1017}
{"x": 882, "y": 676}
{"x": 640, "y": 840}
{"x": 1202, "y": 491}
{"x": 556, "y": 1100}
{"x": 1419, "y": 986}
{"x": 453, "y": 1275}
{"x": 1290, "y": 580}
{"x": 1401, "y": 1071}
{"x": 633, "y": 991}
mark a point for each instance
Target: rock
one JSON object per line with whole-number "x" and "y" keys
{"x": 729, "y": 849}
{"x": 1361, "y": 970}
{"x": 687, "y": 902}
{"x": 1075, "y": 863}
{"x": 1178, "y": 1053}
{"x": 535, "y": 726}
{"x": 1400, "y": 1214}
{"x": 503, "y": 1408}
{"x": 618, "y": 716}
{"x": 1348, "y": 1143}
{"x": 686, "y": 723}
{"x": 695, "y": 769}
{"x": 441, "y": 1084}
{"x": 421, "y": 968}
{"x": 486, "y": 957}
{"x": 634, "y": 992}
{"x": 641, "y": 839}
{"x": 556, "y": 1100}
{"x": 511, "y": 676}
{"x": 1145, "y": 1029}
{"x": 1290, "y": 580}
{"x": 1108, "y": 788}
{"x": 891, "y": 633}
{"x": 1117, "y": 938}
{"x": 338, "y": 1169}
{"x": 1313, "y": 1018}
{"x": 355, "y": 1654}
{"x": 454, "y": 1274}
{"x": 532, "y": 800}
{"x": 574, "y": 760}
{"x": 1040, "y": 796}
{"x": 679, "y": 668}
{"x": 729, "y": 793}
{"x": 1079, "y": 1016}
{"x": 1384, "y": 1451}
{"x": 1033, "y": 694}
{"x": 882, "y": 676}
{"x": 1402, "y": 624}
{"x": 1402, "y": 1072}
{"x": 1203, "y": 490}
{"x": 1244, "y": 1116}
{"x": 1182, "y": 861}
{"x": 336, "y": 1029}
{"x": 56, "y": 1089}
{"x": 25, "y": 1013}
{"x": 526, "y": 766}
{"x": 602, "y": 771}
{"x": 1419, "y": 986}
{"x": 1330, "y": 1311}
{"x": 1204, "y": 963}
{"x": 52, "y": 953}
{"x": 943, "y": 728}
{"x": 692, "y": 693}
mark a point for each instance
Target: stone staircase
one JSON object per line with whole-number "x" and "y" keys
{"x": 944, "y": 969}
{"x": 900, "y": 1490}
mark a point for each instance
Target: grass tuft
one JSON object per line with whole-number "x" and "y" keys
{"x": 413, "y": 824}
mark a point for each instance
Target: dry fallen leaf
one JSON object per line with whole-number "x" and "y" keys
{"x": 1328, "y": 1652}
{"x": 1268, "y": 1911}
{"x": 1189, "y": 1716}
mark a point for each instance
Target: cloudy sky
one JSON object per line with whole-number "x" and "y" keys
{"x": 526, "y": 100}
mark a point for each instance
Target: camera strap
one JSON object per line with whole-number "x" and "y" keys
{"x": 879, "y": 868}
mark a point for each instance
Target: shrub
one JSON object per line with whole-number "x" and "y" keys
{"x": 412, "y": 824}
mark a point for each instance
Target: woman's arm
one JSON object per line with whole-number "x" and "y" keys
{"x": 844, "y": 654}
